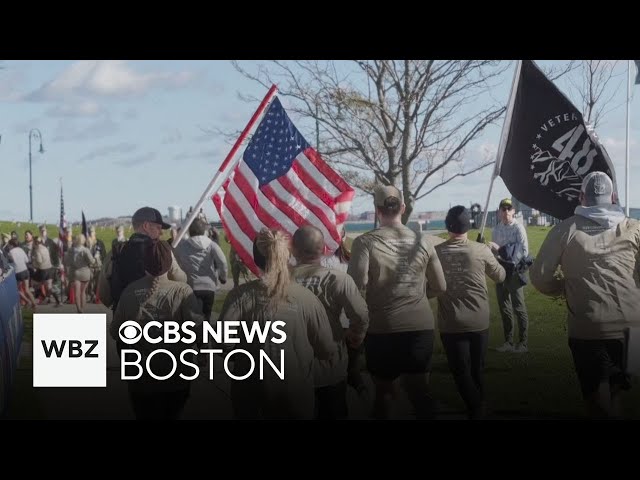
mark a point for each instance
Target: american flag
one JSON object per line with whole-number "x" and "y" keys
{"x": 281, "y": 182}
{"x": 62, "y": 238}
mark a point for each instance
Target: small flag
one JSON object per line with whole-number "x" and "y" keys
{"x": 62, "y": 238}
{"x": 85, "y": 230}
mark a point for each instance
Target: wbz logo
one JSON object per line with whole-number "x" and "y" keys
{"x": 69, "y": 350}
{"x": 74, "y": 350}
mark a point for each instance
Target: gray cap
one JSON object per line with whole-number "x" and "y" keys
{"x": 381, "y": 193}
{"x": 597, "y": 188}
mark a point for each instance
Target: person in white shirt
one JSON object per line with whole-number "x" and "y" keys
{"x": 20, "y": 261}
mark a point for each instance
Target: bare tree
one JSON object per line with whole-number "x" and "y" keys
{"x": 595, "y": 85}
{"x": 406, "y": 123}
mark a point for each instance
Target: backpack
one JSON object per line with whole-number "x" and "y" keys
{"x": 127, "y": 261}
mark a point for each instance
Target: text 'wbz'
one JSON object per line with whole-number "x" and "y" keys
{"x": 171, "y": 333}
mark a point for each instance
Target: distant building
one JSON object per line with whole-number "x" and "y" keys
{"x": 367, "y": 217}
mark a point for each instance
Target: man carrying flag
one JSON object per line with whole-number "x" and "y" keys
{"x": 597, "y": 251}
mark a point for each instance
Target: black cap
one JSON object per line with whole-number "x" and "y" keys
{"x": 458, "y": 220}
{"x": 148, "y": 214}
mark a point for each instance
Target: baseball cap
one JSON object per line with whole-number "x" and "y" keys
{"x": 458, "y": 220}
{"x": 597, "y": 188}
{"x": 148, "y": 214}
{"x": 506, "y": 202}
{"x": 381, "y": 193}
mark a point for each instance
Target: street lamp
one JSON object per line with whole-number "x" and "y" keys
{"x": 34, "y": 133}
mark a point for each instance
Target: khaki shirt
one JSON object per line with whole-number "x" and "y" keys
{"x": 464, "y": 307}
{"x": 40, "y": 257}
{"x": 172, "y": 301}
{"x": 394, "y": 266}
{"x": 308, "y": 336}
{"x": 337, "y": 292}
{"x": 600, "y": 270}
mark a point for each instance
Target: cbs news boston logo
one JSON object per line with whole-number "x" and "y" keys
{"x": 70, "y": 350}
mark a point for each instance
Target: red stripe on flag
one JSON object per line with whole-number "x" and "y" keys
{"x": 283, "y": 207}
{"x": 322, "y": 217}
{"x": 312, "y": 185}
{"x": 245, "y": 256}
{"x": 252, "y": 197}
{"x": 326, "y": 170}
{"x": 239, "y": 216}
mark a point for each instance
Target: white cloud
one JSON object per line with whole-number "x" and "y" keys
{"x": 139, "y": 160}
{"x": 78, "y": 109}
{"x": 107, "y": 78}
{"x": 25, "y": 127}
{"x": 130, "y": 113}
{"x": 204, "y": 137}
{"x": 209, "y": 155}
{"x": 232, "y": 117}
{"x": 102, "y": 127}
{"x": 172, "y": 136}
{"x": 10, "y": 83}
{"x": 108, "y": 150}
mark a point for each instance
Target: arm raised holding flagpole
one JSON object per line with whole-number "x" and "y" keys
{"x": 501, "y": 147}
{"x": 227, "y": 166}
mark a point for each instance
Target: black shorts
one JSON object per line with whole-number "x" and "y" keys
{"x": 389, "y": 355}
{"x": 43, "y": 275}
{"x": 597, "y": 361}
{"x": 22, "y": 276}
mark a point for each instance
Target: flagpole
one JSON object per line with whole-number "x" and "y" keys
{"x": 485, "y": 212}
{"x": 501, "y": 147}
{"x": 628, "y": 200}
{"x": 230, "y": 161}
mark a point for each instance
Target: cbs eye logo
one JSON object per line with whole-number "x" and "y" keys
{"x": 130, "y": 332}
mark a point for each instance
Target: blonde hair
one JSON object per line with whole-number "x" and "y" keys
{"x": 274, "y": 246}
{"x": 79, "y": 240}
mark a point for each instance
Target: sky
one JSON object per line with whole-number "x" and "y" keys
{"x": 124, "y": 134}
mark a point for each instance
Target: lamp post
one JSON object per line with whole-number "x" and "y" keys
{"x": 35, "y": 134}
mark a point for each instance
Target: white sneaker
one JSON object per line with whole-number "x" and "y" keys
{"x": 505, "y": 347}
{"x": 521, "y": 348}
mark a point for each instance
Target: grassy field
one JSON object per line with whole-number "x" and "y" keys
{"x": 541, "y": 383}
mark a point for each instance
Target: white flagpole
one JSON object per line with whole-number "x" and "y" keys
{"x": 228, "y": 164}
{"x": 506, "y": 126}
{"x": 628, "y": 200}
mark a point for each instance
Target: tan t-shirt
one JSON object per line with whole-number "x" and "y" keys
{"x": 393, "y": 267}
{"x": 308, "y": 336}
{"x": 337, "y": 292}
{"x": 464, "y": 307}
{"x": 171, "y": 301}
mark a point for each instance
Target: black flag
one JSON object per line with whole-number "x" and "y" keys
{"x": 549, "y": 149}
{"x": 85, "y": 230}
